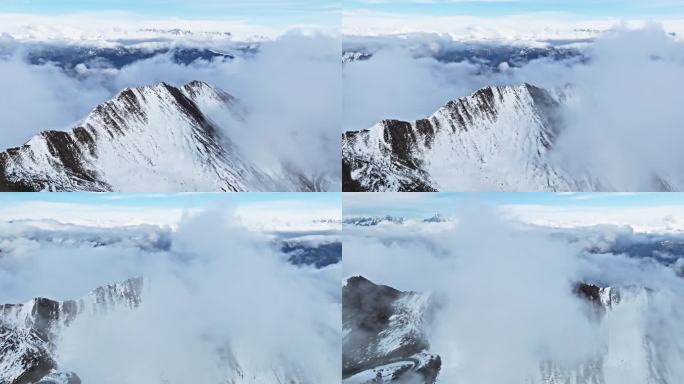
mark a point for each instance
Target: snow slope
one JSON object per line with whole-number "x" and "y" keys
{"x": 497, "y": 139}
{"x": 28, "y": 331}
{"x": 383, "y": 335}
{"x": 154, "y": 139}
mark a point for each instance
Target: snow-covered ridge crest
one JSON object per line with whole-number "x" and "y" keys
{"x": 153, "y": 138}
{"x": 498, "y": 138}
{"x": 48, "y": 316}
{"x": 28, "y": 331}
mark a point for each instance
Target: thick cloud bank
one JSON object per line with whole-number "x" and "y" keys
{"x": 626, "y": 121}
{"x": 290, "y": 86}
{"x": 503, "y": 300}
{"x": 219, "y": 302}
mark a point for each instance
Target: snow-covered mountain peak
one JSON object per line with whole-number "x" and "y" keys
{"x": 153, "y": 139}
{"x": 47, "y": 316}
{"x": 497, "y": 138}
{"x": 28, "y": 331}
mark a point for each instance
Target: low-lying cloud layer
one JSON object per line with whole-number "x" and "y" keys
{"x": 504, "y": 303}
{"x": 216, "y": 297}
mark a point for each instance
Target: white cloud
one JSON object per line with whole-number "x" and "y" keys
{"x": 503, "y": 298}
{"x": 282, "y": 215}
{"x": 645, "y": 219}
{"x": 519, "y": 27}
{"x": 216, "y": 296}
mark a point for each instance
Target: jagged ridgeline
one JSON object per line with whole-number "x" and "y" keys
{"x": 29, "y": 331}
{"x": 499, "y": 138}
{"x": 153, "y": 138}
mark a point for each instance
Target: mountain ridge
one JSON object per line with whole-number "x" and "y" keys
{"x": 498, "y": 138}
{"x": 28, "y": 331}
{"x": 150, "y": 138}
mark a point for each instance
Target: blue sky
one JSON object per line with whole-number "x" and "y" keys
{"x": 258, "y": 12}
{"x": 447, "y": 204}
{"x": 174, "y": 200}
{"x": 492, "y": 8}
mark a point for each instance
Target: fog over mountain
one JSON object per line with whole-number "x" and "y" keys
{"x": 508, "y": 301}
{"x": 210, "y": 301}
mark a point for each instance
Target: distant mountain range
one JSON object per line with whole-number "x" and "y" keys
{"x": 488, "y": 56}
{"x": 371, "y": 221}
{"x": 70, "y": 57}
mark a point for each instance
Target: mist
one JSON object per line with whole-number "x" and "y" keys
{"x": 503, "y": 302}
{"x": 395, "y": 85}
{"x": 219, "y": 302}
{"x": 626, "y": 120}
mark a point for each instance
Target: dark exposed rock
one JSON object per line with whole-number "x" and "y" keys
{"x": 368, "y": 311}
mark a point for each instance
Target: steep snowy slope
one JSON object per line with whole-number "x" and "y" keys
{"x": 155, "y": 138}
{"x": 497, "y": 139}
{"x": 28, "y": 331}
{"x": 383, "y": 335}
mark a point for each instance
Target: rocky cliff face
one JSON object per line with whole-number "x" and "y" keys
{"x": 383, "y": 336}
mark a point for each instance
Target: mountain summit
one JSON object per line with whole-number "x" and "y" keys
{"x": 152, "y": 138}
{"x": 29, "y": 331}
{"x": 498, "y": 138}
